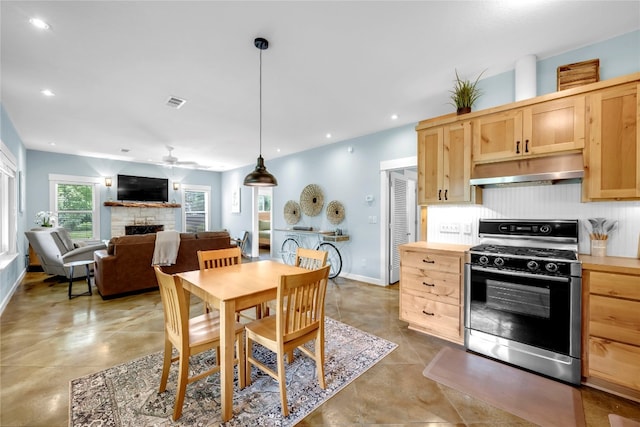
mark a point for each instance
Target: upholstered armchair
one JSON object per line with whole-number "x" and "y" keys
{"x": 54, "y": 248}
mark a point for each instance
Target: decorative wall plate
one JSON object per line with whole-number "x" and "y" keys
{"x": 335, "y": 212}
{"x": 311, "y": 200}
{"x": 292, "y": 212}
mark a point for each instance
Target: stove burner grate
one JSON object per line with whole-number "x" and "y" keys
{"x": 523, "y": 251}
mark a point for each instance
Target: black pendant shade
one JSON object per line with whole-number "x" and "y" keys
{"x": 260, "y": 177}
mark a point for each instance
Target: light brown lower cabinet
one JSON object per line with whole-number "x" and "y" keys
{"x": 431, "y": 289}
{"x": 611, "y": 331}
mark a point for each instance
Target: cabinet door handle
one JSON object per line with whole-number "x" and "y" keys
{"x": 526, "y": 146}
{"x": 517, "y": 147}
{"x": 428, "y": 261}
{"x": 446, "y": 195}
{"x": 427, "y": 313}
{"x": 429, "y": 284}
{"x": 439, "y": 194}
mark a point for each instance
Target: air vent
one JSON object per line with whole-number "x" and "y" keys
{"x": 174, "y": 102}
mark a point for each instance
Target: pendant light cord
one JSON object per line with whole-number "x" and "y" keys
{"x": 260, "y": 97}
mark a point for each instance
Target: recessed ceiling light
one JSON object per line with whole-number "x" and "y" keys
{"x": 394, "y": 117}
{"x": 47, "y": 92}
{"x": 328, "y": 136}
{"x": 52, "y": 144}
{"x": 39, "y": 23}
{"x": 277, "y": 150}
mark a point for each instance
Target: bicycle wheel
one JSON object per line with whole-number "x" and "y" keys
{"x": 288, "y": 251}
{"x": 333, "y": 258}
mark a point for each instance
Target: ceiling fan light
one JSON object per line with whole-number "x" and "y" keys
{"x": 260, "y": 177}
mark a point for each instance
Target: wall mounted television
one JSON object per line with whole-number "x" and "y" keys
{"x": 142, "y": 189}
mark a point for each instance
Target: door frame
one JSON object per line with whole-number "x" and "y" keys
{"x": 386, "y": 166}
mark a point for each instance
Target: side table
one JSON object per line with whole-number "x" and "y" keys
{"x": 73, "y": 264}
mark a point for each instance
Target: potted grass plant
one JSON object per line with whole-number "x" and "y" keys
{"x": 465, "y": 94}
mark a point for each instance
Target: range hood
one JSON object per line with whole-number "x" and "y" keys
{"x": 560, "y": 169}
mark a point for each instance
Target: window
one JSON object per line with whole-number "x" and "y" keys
{"x": 196, "y": 208}
{"x": 8, "y": 205}
{"x": 75, "y": 205}
{"x": 264, "y": 202}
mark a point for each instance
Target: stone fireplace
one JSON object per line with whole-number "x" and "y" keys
{"x": 141, "y": 215}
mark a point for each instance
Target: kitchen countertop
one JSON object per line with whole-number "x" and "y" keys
{"x": 611, "y": 264}
{"x": 445, "y": 247}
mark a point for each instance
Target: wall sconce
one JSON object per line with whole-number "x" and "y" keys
{"x": 176, "y": 186}
{"x": 108, "y": 181}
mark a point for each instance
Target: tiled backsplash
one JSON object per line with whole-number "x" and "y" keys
{"x": 560, "y": 201}
{"x": 121, "y": 216}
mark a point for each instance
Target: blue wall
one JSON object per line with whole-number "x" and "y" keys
{"x": 40, "y": 164}
{"x": 618, "y": 56}
{"x": 343, "y": 176}
{"x": 12, "y": 273}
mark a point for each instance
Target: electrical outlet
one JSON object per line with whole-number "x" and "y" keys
{"x": 466, "y": 227}
{"x": 373, "y": 219}
{"x": 450, "y": 228}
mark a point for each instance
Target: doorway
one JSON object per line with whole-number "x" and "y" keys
{"x": 388, "y": 248}
{"x": 265, "y": 222}
{"x": 402, "y": 216}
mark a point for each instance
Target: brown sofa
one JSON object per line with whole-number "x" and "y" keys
{"x": 125, "y": 266}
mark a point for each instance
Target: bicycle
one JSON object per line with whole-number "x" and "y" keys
{"x": 334, "y": 259}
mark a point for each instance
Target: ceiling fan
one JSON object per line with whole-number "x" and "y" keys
{"x": 171, "y": 160}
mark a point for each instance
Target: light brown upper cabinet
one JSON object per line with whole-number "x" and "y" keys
{"x": 612, "y": 156}
{"x": 540, "y": 129}
{"x": 444, "y": 164}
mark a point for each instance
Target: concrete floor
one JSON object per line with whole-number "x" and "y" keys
{"x": 47, "y": 340}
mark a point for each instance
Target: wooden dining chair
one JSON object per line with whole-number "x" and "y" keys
{"x": 190, "y": 336}
{"x": 217, "y": 258}
{"x": 299, "y": 319}
{"x": 310, "y": 259}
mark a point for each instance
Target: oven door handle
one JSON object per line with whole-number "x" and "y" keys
{"x": 522, "y": 274}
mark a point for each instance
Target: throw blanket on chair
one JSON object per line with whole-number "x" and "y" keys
{"x": 166, "y": 249}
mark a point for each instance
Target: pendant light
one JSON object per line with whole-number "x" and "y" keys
{"x": 260, "y": 177}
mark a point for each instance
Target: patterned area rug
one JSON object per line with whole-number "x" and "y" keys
{"x": 127, "y": 395}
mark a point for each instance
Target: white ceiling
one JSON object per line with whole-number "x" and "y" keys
{"x": 332, "y": 67}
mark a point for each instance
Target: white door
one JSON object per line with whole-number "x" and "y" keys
{"x": 403, "y": 218}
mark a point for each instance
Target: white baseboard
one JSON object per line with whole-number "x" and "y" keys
{"x": 12, "y": 290}
{"x": 359, "y": 278}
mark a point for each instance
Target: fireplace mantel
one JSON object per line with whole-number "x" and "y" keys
{"x": 143, "y": 204}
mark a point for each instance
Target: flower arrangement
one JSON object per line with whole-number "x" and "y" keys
{"x": 600, "y": 228}
{"x": 45, "y": 219}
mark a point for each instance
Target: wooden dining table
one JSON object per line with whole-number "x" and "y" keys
{"x": 230, "y": 289}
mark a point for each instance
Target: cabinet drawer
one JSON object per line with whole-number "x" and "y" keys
{"x": 615, "y": 362}
{"x": 431, "y": 261}
{"x": 615, "y": 319}
{"x": 436, "y": 285}
{"x": 615, "y": 285}
{"x": 439, "y": 318}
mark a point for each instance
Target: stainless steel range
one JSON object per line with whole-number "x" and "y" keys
{"x": 522, "y": 295}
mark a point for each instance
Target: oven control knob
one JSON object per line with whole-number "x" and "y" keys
{"x": 532, "y": 265}
{"x": 551, "y": 267}
{"x": 484, "y": 260}
{"x": 499, "y": 262}
{"x": 545, "y": 229}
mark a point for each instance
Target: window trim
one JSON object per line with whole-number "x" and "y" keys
{"x": 207, "y": 213}
{"x": 55, "y": 179}
{"x": 9, "y": 168}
